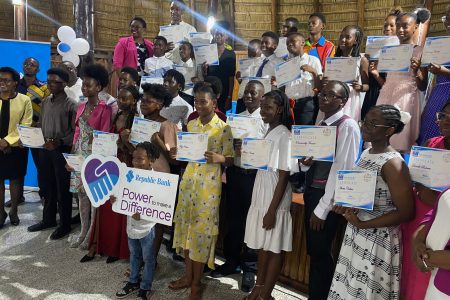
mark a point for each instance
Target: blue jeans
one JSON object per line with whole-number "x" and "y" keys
{"x": 142, "y": 250}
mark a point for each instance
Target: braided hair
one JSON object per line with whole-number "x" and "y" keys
{"x": 132, "y": 112}
{"x": 392, "y": 116}
{"x": 359, "y": 35}
{"x": 282, "y": 100}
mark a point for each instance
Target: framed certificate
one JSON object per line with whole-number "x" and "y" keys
{"x": 142, "y": 130}
{"x": 255, "y": 153}
{"x": 355, "y": 188}
{"x": 104, "y": 143}
{"x": 342, "y": 68}
{"x": 395, "y": 58}
{"x": 206, "y": 54}
{"x": 74, "y": 161}
{"x": 436, "y": 50}
{"x": 31, "y": 137}
{"x": 192, "y": 146}
{"x": 316, "y": 141}
{"x": 243, "y": 126}
{"x": 430, "y": 167}
{"x": 374, "y": 45}
{"x": 287, "y": 71}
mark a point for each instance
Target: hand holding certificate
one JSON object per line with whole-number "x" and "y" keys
{"x": 192, "y": 146}
{"x": 243, "y": 126}
{"x": 355, "y": 188}
{"x": 376, "y": 43}
{"x": 31, "y": 137}
{"x": 172, "y": 33}
{"x": 342, "y": 68}
{"x": 74, "y": 161}
{"x": 105, "y": 143}
{"x": 437, "y": 50}
{"x": 316, "y": 141}
{"x": 206, "y": 54}
{"x": 142, "y": 130}
{"x": 255, "y": 153}
{"x": 395, "y": 58}
{"x": 430, "y": 167}
{"x": 287, "y": 71}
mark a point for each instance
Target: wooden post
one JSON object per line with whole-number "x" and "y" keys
{"x": 361, "y": 9}
{"x": 83, "y": 11}
{"x": 274, "y": 16}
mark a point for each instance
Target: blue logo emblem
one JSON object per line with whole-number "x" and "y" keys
{"x": 130, "y": 176}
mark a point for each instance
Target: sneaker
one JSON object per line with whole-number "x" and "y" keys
{"x": 225, "y": 270}
{"x": 128, "y": 289}
{"x": 144, "y": 294}
{"x": 248, "y": 282}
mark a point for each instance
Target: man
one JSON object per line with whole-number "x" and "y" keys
{"x": 58, "y": 126}
{"x": 290, "y": 25}
{"x": 317, "y": 45}
{"x": 73, "y": 88}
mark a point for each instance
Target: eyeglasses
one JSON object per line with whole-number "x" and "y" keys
{"x": 442, "y": 116}
{"x": 329, "y": 96}
{"x": 371, "y": 126}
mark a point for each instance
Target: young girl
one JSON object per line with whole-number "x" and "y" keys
{"x": 404, "y": 89}
{"x": 91, "y": 115}
{"x": 269, "y": 222}
{"x": 369, "y": 261}
{"x": 197, "y": 212}
{"x": 192, "y": 70}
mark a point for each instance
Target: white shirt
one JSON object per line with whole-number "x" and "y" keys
{"x": 178, "y": 112}
{"x": 192, "y": 71}
{"x": 74, "y": 92}
{"x": 269, "y": 67}
{"x": 138, "y": 229}
{"x": 174, "y": 55}
{"x": 156, "y": 67}
{"x": 347, "y": 150}
{"x": 303, "y": 87}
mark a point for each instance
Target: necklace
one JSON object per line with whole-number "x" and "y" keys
{"x": 90, "y": 108}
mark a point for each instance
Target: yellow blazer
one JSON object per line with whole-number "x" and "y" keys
{"x": 21, "y": 112}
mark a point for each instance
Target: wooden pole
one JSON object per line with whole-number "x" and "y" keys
{"x": 274, "y": 16}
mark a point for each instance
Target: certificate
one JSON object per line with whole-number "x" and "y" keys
{"x": 188, "y": 73}
{"x": 316, "y": 141}
{"x": 143, "y": 130}
{"x": 149, "y": 79}
{"x": 206, "y": 54}
{"x": 355, "y": 188}
{"x": 375, "y": 43}
{"x": 200, "y": 38}
{"x": 243, "y": 126}
{"x": 342, "y": 68}
{"x": 430, "y": 167}
{"x": 104, "y": 143}
{"x": 31, "y": 137}
{"x": 287, "y": 71}
{"x": 436, "y": 50}
{"x": 172, "y": 33}
{"x": 255, "y": 153}
{"x": 192, "y": 146}
{"x": 281, "y": 51}
{"x": 395, "y": 58}
{"x": 248, "y": 66}
{"x": 74, "y": 161}
{"x": 265, "y": 81}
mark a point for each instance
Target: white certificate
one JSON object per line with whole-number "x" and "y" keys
{"x": 355, "y": 188}
{"x": 342, "y": 68}
{"x": 375, "y": 43}
{"x": 430, "y": 167}
{"x": 206, "y": 53}
{"x": 395, "y": 58}
{"x": 172, "y": 33}
{"x": 200, "y": 38}
{"x": 287, "y": 71}
{"x": 316, "y": 141}
{"x": 255, "y": 153}
{"x": 282, "y": 51}
{"x": 74, "y": 161}
{"x": 151, "y": 80}
{"x": 31, "y": 137}
{"x": 243, "y": 126}
{"x": 188, "y": 73}
{"x": 192, "y": 146}
{"x": 143, "y": 130}
{"x": 265, "y": 81}
{"x": 437, "y": 50}
{"x": 104, "y": 143}
{"x": 248, "y": 66}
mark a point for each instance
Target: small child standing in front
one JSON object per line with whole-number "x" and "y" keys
{"x": 269, "y": 221}
{"x": 141, "y": 234}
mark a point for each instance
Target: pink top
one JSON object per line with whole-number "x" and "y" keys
{"x": 100, "y": 118}
{"x": 125, "y": 52}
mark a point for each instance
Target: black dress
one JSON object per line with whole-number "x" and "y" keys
{"x": 372, "y": 94}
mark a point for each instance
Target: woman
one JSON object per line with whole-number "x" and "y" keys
{"x": 15, "y": 109}
{"x": 132, "y": 51}
{"x": 91, "y": 115}
{"x": 369, "y": 261}
{"x": 439, "y": 94}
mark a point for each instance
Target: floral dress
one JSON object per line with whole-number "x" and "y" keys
{"x": 82, "y": 147}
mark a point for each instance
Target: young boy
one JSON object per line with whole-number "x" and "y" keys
{"x": 269, "y": 42}
{"x": 158, "y": 65}
{"x": 317, "y": 45}
{"x": 141, "y": 234}
{"x": 254, "y": 49}
{"x": 320, "y": 222}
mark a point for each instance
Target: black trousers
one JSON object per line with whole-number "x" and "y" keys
{"x": 56, "y": 184}
{"x": 40, "y": 178}
{"x": 318, "y": 244}
{"x": 239, "y": 197}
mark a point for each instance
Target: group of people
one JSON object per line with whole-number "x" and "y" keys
{"x": 385, "y": 252}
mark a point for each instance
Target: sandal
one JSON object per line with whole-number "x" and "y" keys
{"x": 179, "y": 284}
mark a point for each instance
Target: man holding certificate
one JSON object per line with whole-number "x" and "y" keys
{"x": 57, "y": 122}
{"x": 320, "y": 222}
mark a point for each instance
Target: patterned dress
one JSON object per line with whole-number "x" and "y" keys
{"x": 197, "y": 212}
{"x": 83, "y": 147}
{"x": 369, "y": 262}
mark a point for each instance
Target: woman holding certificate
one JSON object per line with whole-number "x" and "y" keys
{"x": 404, "y": 88}
{"x": 15, "y": 109}
{"x": 369, "y": 261}
{"x": 197, "y": 213}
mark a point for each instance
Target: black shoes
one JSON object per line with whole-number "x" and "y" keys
{"x": 59, "y": 233}
{"x": 111, "y": 259}
{"x": 248, "y": 282}
{"x": 87, "y": 258}
{"x": 14, "y": 220}
{"x": 225, "y": 270}
{"x": 40, "y": 226}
